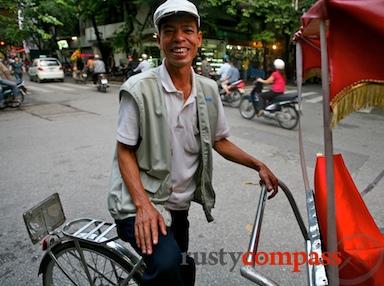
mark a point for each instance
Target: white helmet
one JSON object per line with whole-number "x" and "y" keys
{"x": 279, "y": 64}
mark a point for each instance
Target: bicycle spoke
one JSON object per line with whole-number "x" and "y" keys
{"x": 102, "y": 267}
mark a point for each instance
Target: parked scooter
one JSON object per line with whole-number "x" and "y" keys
{"x": 102, "y": 83}
{"x": 8, "y": 94}
{"x": 235, "y": 95}
{"x": 80, "y": 76}
{"x": 281, "y": 108}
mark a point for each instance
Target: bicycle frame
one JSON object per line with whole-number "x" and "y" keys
{"x": 316, "y": 273}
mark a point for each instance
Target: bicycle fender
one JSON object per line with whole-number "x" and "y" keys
{"x": 111, "y": 246}
{"x": 47, "y": 258}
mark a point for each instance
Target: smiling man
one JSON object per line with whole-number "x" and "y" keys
{"x": 170, "y": 119}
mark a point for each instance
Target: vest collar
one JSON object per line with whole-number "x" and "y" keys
{"x": 168, "y": 85}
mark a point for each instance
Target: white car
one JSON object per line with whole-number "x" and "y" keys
{"x": 46, "y": 69}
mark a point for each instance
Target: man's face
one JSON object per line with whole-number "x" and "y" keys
{"x": 179, "y": 39}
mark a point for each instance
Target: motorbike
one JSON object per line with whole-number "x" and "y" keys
{"x": 281, "y": 108}
{"x": 235, "y": 95}
{"x": 80, "y": 76}
{"x": 102, "y": 83}
{"x": 8, "y": 94}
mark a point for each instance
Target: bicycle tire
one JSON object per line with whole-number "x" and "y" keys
{"x": 105, "y": 266}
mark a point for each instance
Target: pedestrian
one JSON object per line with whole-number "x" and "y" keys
{"x": 26, "y": 64}
{"x": 239, "y": 65}
{"x": 245, "y": 68}
{"x": 111, "y": 65}
{"x": 79, "y": 64}
{"x": 144, "y": 65}
{"x": 278, "y": 80}
{"x": 205, "y": 66}
{"x": 170, "y": 119}
{"x": 18, "y": 69}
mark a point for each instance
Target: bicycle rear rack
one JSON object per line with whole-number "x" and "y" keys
{"x": 91, "y": 230}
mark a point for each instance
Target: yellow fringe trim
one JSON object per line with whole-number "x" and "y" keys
{"x": 360, "y": 95}
{"x": 314, "y": 72}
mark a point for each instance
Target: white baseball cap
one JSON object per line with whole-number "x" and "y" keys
{"x": 172, "y": 7}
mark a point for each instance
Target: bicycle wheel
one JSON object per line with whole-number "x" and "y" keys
{"x": 105, "y": 267}
{"x": 288, "y": 117}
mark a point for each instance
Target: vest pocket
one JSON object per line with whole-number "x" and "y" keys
{"x": 192, "y": 145}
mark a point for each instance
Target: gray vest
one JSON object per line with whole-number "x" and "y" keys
{"x": 154, "y": 152}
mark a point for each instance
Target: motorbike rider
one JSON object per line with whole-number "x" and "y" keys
{"x": 144, "y": 65}
{"x": 130, "y": 66}
{"x": 8, "y": 82}
{"x": 232, "y": 76}
{"x": 278, "y": 80}
{"x": 223, "y": 70}
{"x": 98, "y": 67}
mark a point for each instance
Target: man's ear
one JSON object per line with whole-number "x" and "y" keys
{"x": 158, "y": 40}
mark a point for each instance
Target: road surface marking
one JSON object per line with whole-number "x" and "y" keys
{"x": 315, "y": 99}
{"x": 304, "y": 94}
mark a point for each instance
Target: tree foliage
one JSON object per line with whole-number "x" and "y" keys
{"x": 46, "y": 20}
{"x": 128, "y": 35}
{"x": 41, "y": 21}
{"x": 265, "y": 21}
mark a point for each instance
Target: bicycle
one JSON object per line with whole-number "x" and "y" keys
{"x": 84, "y": 251}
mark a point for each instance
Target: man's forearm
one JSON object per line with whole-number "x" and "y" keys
{"x": 130, "y": 173}
{"x": 233, "y": 153}
{"x": 7, "y": 76}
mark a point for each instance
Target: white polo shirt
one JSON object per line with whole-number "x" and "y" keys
{"x": 182, "y": 117}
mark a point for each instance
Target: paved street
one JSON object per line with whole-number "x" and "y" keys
{"x": 62, "y": 140}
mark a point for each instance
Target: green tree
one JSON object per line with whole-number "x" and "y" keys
{"x": 264, "y": 21}
{"x": 39, "y": 22}
{"x": 101, "y": 12}
{"x": 130, "y": 32}
{"x": 45, "y": 20}
{"x": 97, "y": 12}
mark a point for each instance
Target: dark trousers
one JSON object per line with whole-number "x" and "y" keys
{"x": 95, "y": 77}
{"x": 168, "y": 264}
{"x": 19, "y": 77}
{"x": 267, "y": 95}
